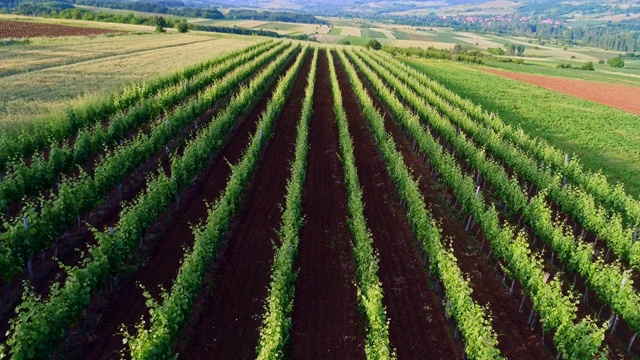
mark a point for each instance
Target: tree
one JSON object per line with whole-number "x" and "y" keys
{"x": 520, "y": 50}
{"x": 182, "y": 27}
{"x": 457, "y": 50}
{"x": 616, "y": 62}
{"x": 160, "y": 24}
{"x": 374, "y": 44}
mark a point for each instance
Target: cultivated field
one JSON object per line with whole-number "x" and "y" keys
{"x": 621, "y": 97}
{"x": 602, "y": 137}
{"x": 288, "y": 200}
{"x": 19, "y": 29}
{"x": 44, "y": 78}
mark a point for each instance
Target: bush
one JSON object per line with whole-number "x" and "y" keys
{"x": 518, "y": 61}
{"x": 616, "y": 62}
{"x": 587, "y": 66}
{"x": 601, "y": 62}
{"x": 182, "y": 27}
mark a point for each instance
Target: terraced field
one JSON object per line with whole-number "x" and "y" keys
{"x": 286, "y": 201}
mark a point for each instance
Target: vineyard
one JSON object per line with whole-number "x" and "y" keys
{"x": 288, "y": 201}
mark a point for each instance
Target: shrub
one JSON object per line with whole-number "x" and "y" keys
{"x": 182, "y": 27}
{"x": 587, "y": 66}
{"x": 616, "y": 62}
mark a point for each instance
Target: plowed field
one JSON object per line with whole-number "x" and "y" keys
{"x": 22, "y": 29}
{"x": 621, "y": 97}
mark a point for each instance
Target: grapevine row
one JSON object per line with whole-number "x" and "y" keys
{"x": 572, "y": 200}
{"x": 26, "y": 180}
{"x": 276, "y": 321}
{"x": 472, "y": 320}
{"x": 557, "y": 311}
{"x": 33, "y": 231}
{"x": 612, "y": 197}
{"x": 368, "y": 284}
{"x": 167, "y": 319}
{"x": 39, "y": 326}
{"x": 611, "y": 282}
{"x": 27, "y": 142}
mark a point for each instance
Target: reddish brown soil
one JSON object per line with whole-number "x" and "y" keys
{"x": 621, "y": 97}
{"x": 326, "y": 320}
{"x": 418, "y": 328}
{"x": 23, "y": 29}
{"x": 226, "y": 324}
{"x": 515, "y": 337}
{"x": 126, "y": 305}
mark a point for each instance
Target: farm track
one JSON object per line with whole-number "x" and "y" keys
{"x": 84, "y": 61}
{"x": 516, "y": 339}
{"x": 418, "y": 328}
{"x": 325, "y": 317}
{"x": 126, "y": 305}
{"x": 227, "y": 313}
{"x": 46, "y": 267}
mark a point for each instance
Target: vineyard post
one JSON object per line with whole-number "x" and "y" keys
{"x": 25, "y": 223}
{"x": 566, "y": 162}
{"x": 471, "y": 216}
{"x": 633, "y": 338}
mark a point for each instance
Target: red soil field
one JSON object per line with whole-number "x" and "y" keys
{"x": 621, "y": 97}
{"x": 22, "y": 29}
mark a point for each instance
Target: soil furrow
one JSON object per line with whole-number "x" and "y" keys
{"x": 326, "y": 320}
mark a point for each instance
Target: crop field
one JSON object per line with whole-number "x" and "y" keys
{"x": 603, "y": 138}
{"x": 43, "y": 79}
{"x": 618, "y": 96}
{"x": 288, "y": 200}
{"x": 21, "y": 29}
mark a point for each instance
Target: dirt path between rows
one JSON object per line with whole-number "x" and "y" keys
{"x": 418, "y": 328}
{"x": 230, "y": 311}
{"x": 621, "y": 97}
{"x": 326, "y": 320}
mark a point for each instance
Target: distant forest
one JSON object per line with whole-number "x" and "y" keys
{"x": 175, "y": 8}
